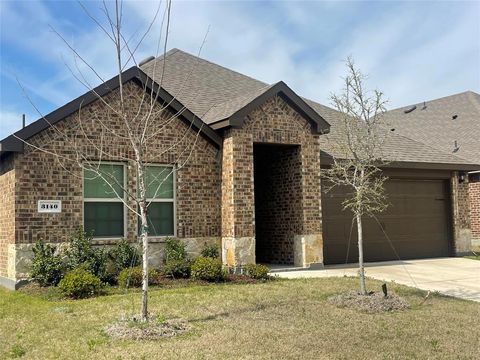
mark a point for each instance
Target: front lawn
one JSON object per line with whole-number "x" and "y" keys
{"x": 283, "y": 319}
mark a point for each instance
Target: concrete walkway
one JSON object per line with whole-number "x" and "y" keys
{"x": 457, "y": 277}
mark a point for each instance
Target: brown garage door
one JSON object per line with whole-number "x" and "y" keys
{"x": 416, "y": 222}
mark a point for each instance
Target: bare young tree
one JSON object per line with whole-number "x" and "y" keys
{"x": 134, "y": 119}
{"x": 357, "y": 153}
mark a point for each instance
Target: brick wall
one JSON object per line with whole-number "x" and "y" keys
{"x": 274, "y": 122}
{"x": 7, "y": 210}
{"x": 278, "y": 202}
{"x": 474, "y": 194}
{"x": 461, "y": 215}
{"x": 42, "y": 176}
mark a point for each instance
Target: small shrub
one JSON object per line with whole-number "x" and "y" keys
{"x": 80, "y": 283}
{"x": 111, "y": 272}
{"x": 81, "y": 254}
{"x": 174, "y": 250}
{"x": 211, "y": 251}
{"x": 177, "y": 269}
{"x": 47, "y": 268}
{"x": 132, "y": 277}
{"x": 208, "y": 269}
{"x": 256, "y": 271}
{"x": 125, "y": 255}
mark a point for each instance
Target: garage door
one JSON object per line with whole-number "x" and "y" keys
{"x": 416, "y": 222}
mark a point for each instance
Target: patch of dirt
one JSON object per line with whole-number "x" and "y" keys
{"x": 372, "y": 303}
{"x": 151, "y": 330}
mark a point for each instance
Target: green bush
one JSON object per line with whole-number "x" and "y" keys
{"x": 211, "y": 251}
{"x": 123, "y": 255}
{"x": 176, "y": 264}
{"x": 177, "y": 269}
{"x": 81, "y": 254}
{"x": 132, "y": 277}
{"x": 80, "y": 283}
{"x": 174, "y": 250}
{"x": 208, "y": 269}
{"x": 256, "y": 271}
{"x": 47, "y": 268}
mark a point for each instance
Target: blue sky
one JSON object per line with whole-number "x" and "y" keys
{"x": 412, "y": 51}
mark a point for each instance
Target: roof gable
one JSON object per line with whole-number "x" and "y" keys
{"x": 234, "y": 112}
{"x": 15, "y": 142}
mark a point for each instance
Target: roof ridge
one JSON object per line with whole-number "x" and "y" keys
{"x": 474, "y": 98}
{"x": 467, "y": 92}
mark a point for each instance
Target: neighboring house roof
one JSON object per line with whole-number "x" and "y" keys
{"x": 450, "y": 124}
{"x": 398, "y": 150}
{"x": 221, "y": 97}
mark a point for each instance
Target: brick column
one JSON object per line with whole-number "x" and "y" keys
{"x": 238, "y": 211}
{"x": 474, "y": 197}
{"x": 461, "y": 217}
{"x": 308, "y": 246}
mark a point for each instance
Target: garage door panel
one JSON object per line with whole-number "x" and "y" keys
{"x": 416, "y": 222}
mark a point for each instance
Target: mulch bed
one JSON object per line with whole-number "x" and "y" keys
{"x": 151, "y": 330}
{"x": 372, "y": 303}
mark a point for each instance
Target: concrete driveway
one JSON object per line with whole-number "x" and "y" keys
{"x": 457, "y": 277}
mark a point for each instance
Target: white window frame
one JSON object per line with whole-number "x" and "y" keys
{"x": 116, "y": 199}
{"x": 174, "y": 200}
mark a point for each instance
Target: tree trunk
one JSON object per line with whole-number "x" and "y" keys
{"x": 144, "y": 236}
{"x": 361, "y": 268}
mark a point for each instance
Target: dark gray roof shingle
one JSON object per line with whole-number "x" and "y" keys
{"x": 434, "y": 125}
{"x": 214, "y": 92}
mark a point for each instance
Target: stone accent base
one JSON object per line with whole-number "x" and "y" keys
{"x": 20, "y": 256}
{"x": 238, "y": 251}
{"x": 308, "y": 250}
{"x": 476, "y": 245}
{"x": 463, "y": 241}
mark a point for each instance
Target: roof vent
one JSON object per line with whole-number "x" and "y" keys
{"x": 424, "y": 105}
{"x": 147, "y": 60}
{"x": 455, "y": 146}
{"x": 410, "y": 109}
{"x": 454, "y": 117}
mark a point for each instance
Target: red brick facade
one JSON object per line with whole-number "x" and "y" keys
{"x": 39, "y": 175}
{"x": 7, "y": 212}
{"x": 474, "y": 194}
{"x": 274, "y": 122}
{"x": 258, "y": 194}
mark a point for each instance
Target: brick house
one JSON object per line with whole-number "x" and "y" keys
{"x": 252, "y": 185}
{"x": 450, "y": 124}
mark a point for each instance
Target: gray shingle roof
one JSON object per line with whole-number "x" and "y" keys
{"x": 213, "y": 93}
{"x": 434, "y": 125}
{"x": 198, "y": 83}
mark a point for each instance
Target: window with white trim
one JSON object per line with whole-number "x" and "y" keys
{"x": 103, "y": 208}
{"x": 160, "y": 194}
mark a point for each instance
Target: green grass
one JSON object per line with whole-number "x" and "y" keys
{"x": 473, "y": 257}
{"x": 284, "y": 319}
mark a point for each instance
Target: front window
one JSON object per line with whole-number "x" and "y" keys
{"x": 160, "y": 194}
{"x": 104, "y": 211}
